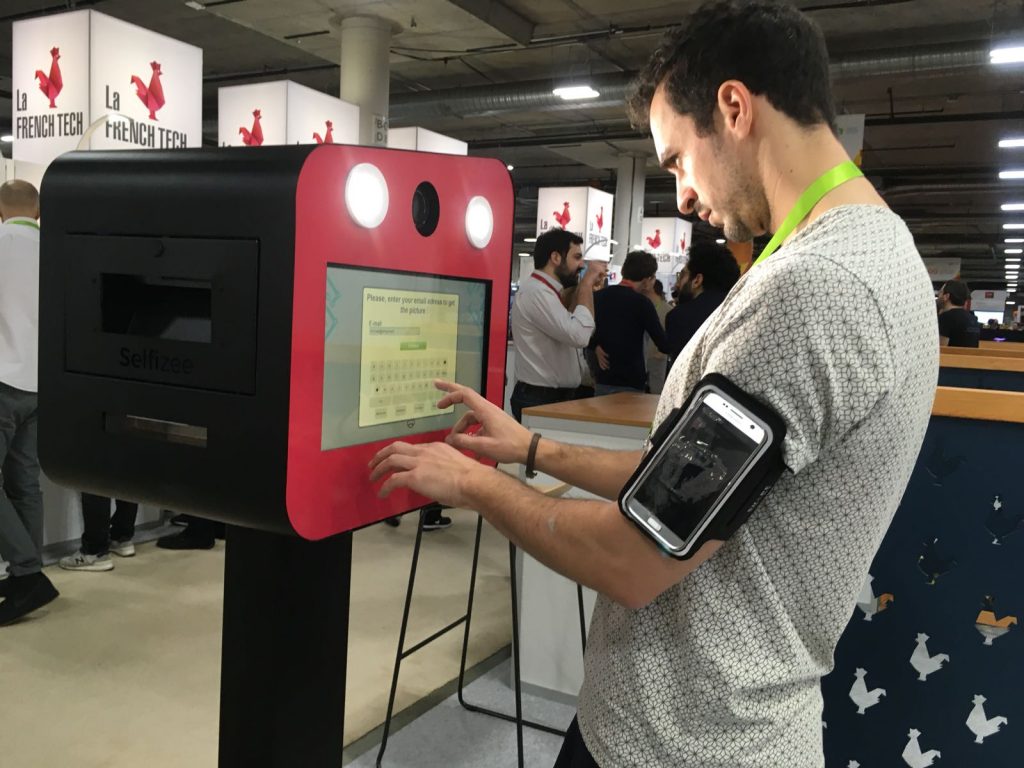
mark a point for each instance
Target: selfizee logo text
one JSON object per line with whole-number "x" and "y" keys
{"x": 156, "y": 362}
{"x": 47, "y": 124}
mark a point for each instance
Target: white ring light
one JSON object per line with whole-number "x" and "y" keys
{"x": 479, "y": 222}
{"x": 366, "y": 195}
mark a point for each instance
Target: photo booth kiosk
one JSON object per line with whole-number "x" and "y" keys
{"x": 234, "y": 333}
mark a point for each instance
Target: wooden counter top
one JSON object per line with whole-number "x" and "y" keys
{"x": 987, "y": 363}
{"x": 624, "y": 409}
{"x": 980, "y": 404}
{"x": 1003, "y": 350}
{"x": 1011, "y": 345}
{"x": 636, "y": 410}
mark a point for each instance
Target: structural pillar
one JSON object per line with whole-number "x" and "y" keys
{"x": 629, "y": 203}
{"x": 365, "y": 74}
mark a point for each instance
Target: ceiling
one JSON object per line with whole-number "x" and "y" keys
{"x": 917, "y": 68}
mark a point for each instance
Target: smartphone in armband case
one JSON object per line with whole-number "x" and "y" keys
{"x": 710, "y": 464}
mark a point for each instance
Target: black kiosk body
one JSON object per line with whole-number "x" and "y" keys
{"x": 208, "y": 321}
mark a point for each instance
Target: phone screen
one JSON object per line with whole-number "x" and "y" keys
{"x": 698, "y": 464}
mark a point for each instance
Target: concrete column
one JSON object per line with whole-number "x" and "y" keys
{"x": 629, "y": 203}
{"x": 365, "y": 74}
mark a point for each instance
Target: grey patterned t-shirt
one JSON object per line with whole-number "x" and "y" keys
{"x": 837, "y": 332}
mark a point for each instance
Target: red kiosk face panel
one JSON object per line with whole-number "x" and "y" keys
{"x": 402, "y": 269}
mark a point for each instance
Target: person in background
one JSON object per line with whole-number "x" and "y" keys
{"x": 957, "y": 326}
{"x": 547, "y": 335}
{"x": 104, "y": 533}
{"x": 992, "y": 324}
{"x": 624, "y": 314}
{"x": 710, "y": 273}
{"x": 657, "y": 361}
{"x": 21, "y": 500}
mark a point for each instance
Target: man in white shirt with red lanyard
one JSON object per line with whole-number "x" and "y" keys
{"x": 21, "y": 501}
{"x": 546, "y": 334}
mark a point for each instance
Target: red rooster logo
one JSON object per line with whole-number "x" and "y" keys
{"x": 52, "y": 84}
{"x": 682, "y": 245}
{"x": 655, "y": 241}
{"x": 329, "y": 138}
{"x": 152, "y": 95}
{"x": 599, "y": 219}
{"x": 563, "y": 218}
{"x": 254, "y": 137}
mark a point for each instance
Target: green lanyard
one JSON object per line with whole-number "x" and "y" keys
{"x": 25, "y": 223}
{"x": 828, "y": 181}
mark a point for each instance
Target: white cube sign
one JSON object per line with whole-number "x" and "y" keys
{"x": 283, "y": 112}
{"x": 668, "y": 238}
{"x": 422, "y": 140}
{"x": 70, "y": 70}
{"x": 584, "y": 211}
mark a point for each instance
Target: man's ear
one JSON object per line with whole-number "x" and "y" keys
{"x": 736, "y": 106}
{"x": 697, "y": 281}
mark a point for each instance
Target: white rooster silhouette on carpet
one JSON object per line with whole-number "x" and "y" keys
{"x": 922, "y": 661}
{"x": 870, "y": 604}
{"x": 914, "y": 757}
{"x": 979, "y": 724}
{"x": 860, "y": 694}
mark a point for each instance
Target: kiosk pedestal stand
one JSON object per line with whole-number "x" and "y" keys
{"x": 285, "y": 642}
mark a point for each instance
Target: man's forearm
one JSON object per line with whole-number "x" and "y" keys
{"x": 586, "y": 541}
{"x": 597, "y": 470}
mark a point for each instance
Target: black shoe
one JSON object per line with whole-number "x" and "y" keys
{"x": 24, "y": 595}
{"x": 392, "y": 521}
{"x": 185, "y": 540}
{"x": 433, "y": 520}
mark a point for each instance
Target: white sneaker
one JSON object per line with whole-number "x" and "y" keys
{"x": 83, "y": 562}
{"x": 122, "y": 548}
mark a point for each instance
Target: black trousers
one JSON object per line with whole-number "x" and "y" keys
{"x": 528, "y": 395}
{"x": 574, "y": 753}
{"x": 101, "y": 526}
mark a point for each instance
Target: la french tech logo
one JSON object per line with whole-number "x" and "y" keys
{"x": 328, "y": 138}
{"x": 599, "y": 219}
{"x": 152, "y": 95}
{"x": 655, "y": 242}
{"x": 564, "y": 217}
{"x": 51, "y": 84}
{"x": 253, "y": 137}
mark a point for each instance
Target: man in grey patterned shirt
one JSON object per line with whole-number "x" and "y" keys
{"x": 715, "y": 662}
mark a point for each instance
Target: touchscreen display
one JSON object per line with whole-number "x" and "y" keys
{"x": 701, "y": 461}
{"x": 387, "y": 337}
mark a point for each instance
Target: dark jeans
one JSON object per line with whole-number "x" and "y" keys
{"x": 574, "y": 753}
{"x": 528, "y": 395}
{"x": 101, "y": 526}
{"x": 21, "y": 500}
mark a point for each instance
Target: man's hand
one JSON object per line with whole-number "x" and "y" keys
{"x": 596, "y": 272}
{"x": 499, "y": 437}
{"x": 434, "y": 470}
{"x": 602, "y": 358}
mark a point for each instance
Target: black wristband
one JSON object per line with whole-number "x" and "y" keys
{"x": 531, "y": 455}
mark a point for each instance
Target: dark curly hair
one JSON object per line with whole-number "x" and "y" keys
{"x": 772, "y": 48}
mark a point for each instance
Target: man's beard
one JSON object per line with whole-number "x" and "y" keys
{"x": 566, "y": 276}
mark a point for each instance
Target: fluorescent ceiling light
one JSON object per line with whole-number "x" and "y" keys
{"x": 1012, "y": 303}
{"x": 576, "y": 92}
{"x": 1013, "y": 206}
{"x": 510, "y": 167}
{"x": 529, "y": 239}
{"x": 1014, "y": 240}
{"x": 526, "y": 254}
{"x": 720, "y": 241}
{"x": 1008, "y": 55}
{"x": 1017, "y": 142}
{"x": 1016, "y": 173}
{"x": 1014, "y": 250}
{"x": 1013, "y": 226}
{"x": 6, "y": 138}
